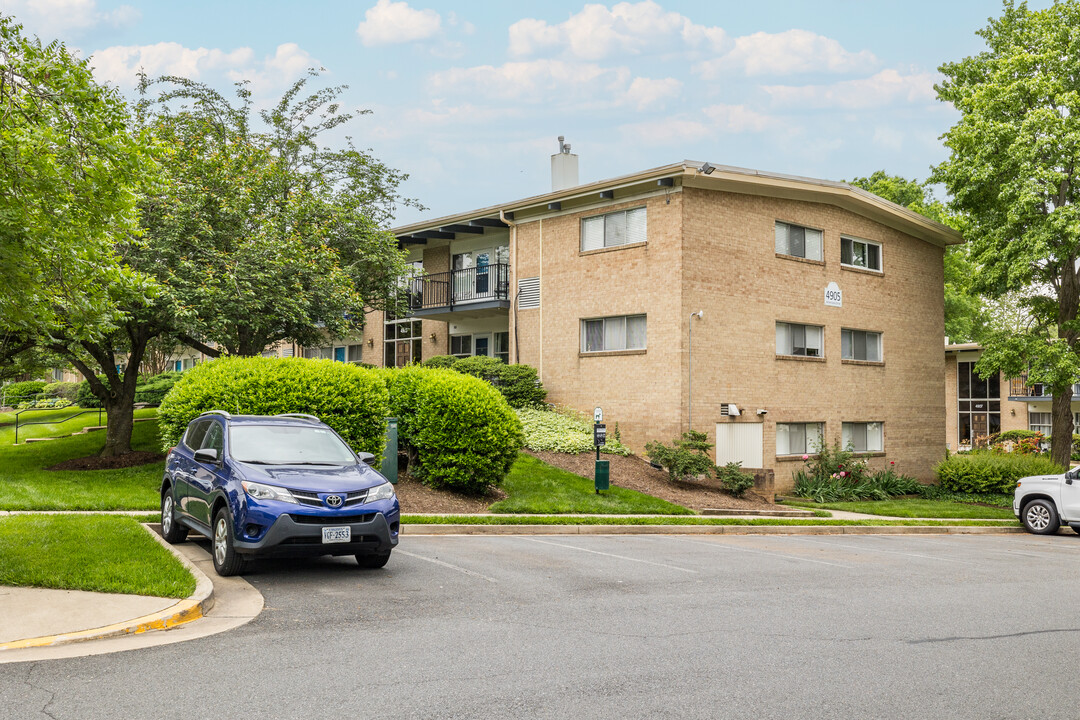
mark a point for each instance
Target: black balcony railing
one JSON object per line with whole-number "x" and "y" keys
{"x": 1020, "y": 388}
{"x": 460, "y": 287}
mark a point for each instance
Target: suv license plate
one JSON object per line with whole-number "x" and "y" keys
{"x": 336, "y": 534}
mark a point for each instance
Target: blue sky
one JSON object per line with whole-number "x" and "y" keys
{"x": 469, "y": 97}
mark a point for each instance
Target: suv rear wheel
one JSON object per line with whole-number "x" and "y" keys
{"x": 226, "y": 560}
{"x": 1040, "y": 517}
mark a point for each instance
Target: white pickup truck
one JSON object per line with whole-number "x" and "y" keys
{"x": 1045, "y": 502}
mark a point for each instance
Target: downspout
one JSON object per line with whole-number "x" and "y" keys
{"x": 513, "y": 263}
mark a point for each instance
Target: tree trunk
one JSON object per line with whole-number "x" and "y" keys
{"x": 1062, "y": 430}
{"x": 121, "y": 410}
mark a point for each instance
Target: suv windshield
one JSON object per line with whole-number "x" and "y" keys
{"x": 288, "y": 445}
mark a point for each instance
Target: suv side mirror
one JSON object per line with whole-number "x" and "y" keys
{"x": 206, "y": 455}
{"x": 366, "y": 458}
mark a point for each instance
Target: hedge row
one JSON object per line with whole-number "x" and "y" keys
{"x": 150, "y": 390}
{"x": 519, "y": 384}
{"x": 26, "y": 390}
{"x": 465, "y": 435}
{"x": 990, "y": 472}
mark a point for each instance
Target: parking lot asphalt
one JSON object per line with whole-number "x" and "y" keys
{"x": 618, "y": 627}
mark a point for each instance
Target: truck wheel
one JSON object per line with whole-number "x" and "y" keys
{"x": 1040, "y": 517}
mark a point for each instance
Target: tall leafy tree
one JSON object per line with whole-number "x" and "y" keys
{"x": 965, "y": 311}
{"x": 69, "y": 172}
{"x": 1012, "y": 171}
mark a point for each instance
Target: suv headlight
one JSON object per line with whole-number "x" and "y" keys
{"x": 267, "y": 492}
{"x": 380, "y": 492}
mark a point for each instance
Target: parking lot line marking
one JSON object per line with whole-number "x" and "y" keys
{"x": 621, "y": 557}
{"x": 879, "y": 550}
{"x": 967, "y": 539}
{"x": 725, "y": 546}
{"x": 447, "y": 565}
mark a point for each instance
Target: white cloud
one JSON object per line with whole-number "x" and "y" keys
{"x": 786, "y": 53}
{"x": 390, "y": 23}
{"x": 626, "y": 28}
{"x": 119, "y": 64}
{"x": 649, "y": 93}
{"x": 49, "y": 18}
{"x": 887, "y": 87}
{"x": 738, "y": 118}
{"x": 534, "y": 81}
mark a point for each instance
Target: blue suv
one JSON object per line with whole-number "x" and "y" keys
{"x": 276, "y": 485}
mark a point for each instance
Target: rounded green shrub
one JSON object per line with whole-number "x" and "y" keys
{"x": 22, "y": 391}
{"x": 63, "y": 390}
{"x": 481, "y": 366}
{"x": 153, "y": 389}
{"x": 464, "y": 433}
{"x": 563, "y": 431}
{"x": 519, "y": 384}
{"x": 989, "y": 472}
{"x": 440, "y": 361}
{"x": 350, "y": 399}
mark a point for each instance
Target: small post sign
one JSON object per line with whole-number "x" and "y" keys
{"x": 598, "y": 415}
{"x": 601, "y": 473}
{"x": 599, "y": 435}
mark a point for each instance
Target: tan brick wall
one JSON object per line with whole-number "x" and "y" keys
{"x": 731, "y": 271}
{"x": 952, "y": 421}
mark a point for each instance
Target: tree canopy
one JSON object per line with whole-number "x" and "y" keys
{"x": 1011, "y": 172}
{"x": 965, "y": 312}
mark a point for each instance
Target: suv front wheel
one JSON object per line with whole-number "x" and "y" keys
{"x": 226, "y": 560}
{"x": 1040, "y": 517}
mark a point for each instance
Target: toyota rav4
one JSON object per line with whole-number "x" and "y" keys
{"x": 280, "y": 485}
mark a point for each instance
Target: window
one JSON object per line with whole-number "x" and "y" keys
{"x": 502, "y": 346}
{"x": 625, "y": 332}
{"x": 1041, "y": 422}
{"x": 863, "y": 437}
{"x": 196, "y": 433}
{"x": 402, "y": 342}
{"x": 613, "y": 229}
{"x": 801, "y": 340}
{"x": 461, "y": 345}
{"x": 797, "y": 438}
{"x": 860, "y": 253}
{"x": 356, "y": 353}
{"x": 798, "y": 241}
{"x": 979, "y": 403}
{"x": 860, "y": 345}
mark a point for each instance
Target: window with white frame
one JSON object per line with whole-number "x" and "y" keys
{"x": 1041, "y": 422}
{"x": 622, "y": 227}
{"x": 623, "y": 332}
{"x": 798, "y": 241}
{"x": 860, "y": 345}
{"x": 863, "y": 437}
{"x": 800, "y": 340}
{"x": 798, "y": 438}
{"x": 860, "y": 253}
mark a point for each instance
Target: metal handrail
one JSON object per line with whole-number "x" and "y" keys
{"x": 49, "y": 422}
{"x": 447, "y": 289}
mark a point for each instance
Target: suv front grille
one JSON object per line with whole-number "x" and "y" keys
{"x": 305, "y": 497}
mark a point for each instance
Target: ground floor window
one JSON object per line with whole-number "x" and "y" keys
{"x": 402, "y": 342}
{"x": 863, "y": 437}
{"x": 1044, "y": 422}
{"x": 337, "y": 353}
{"x": 798, "y": 438}
{"x": 484, "y": 344}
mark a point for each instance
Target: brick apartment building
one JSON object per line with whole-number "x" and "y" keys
{"x": 977, "y": 408}
{"x": 822, "y": 309}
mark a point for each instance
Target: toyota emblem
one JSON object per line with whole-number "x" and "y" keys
{"x": 333, "y": 500}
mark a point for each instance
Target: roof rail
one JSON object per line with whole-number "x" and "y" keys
{"x": 299, "y": 415}
{"x": 216, "y": 412}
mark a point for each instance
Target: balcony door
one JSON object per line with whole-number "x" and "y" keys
{"x": 471, "y": 274}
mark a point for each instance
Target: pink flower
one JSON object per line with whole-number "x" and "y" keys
{"x": 892, "y": 462}
{"x": 805, "y": 457}
{"x": 843, "y": 474}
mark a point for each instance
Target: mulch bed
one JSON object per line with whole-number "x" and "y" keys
{"x": 634, "y": 473}
{"x": 95, "y": 462}
{"x": 415, "y": 497}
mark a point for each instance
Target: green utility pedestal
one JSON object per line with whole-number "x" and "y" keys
{"x": 389, "y": 461}
{"x": 602, "y": 475}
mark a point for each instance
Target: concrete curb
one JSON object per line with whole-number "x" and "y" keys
{"x": 184, "y": 611}
{"x": 418, "y": 530}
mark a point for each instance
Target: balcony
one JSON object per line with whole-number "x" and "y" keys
{"x": 476, "y": 292}
{"x": 1020, "y": 389}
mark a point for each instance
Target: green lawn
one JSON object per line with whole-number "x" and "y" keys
{"x": 54, "y": 429}
{"x": 696, "y": 520}
{"x": 914, "y": 508}
{"x": 536, "y": 487}
{"x": 89, "y": 552}
{"x": 26, "y": 485}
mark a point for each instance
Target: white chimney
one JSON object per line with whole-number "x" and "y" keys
{"x": 564, "y": 171}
